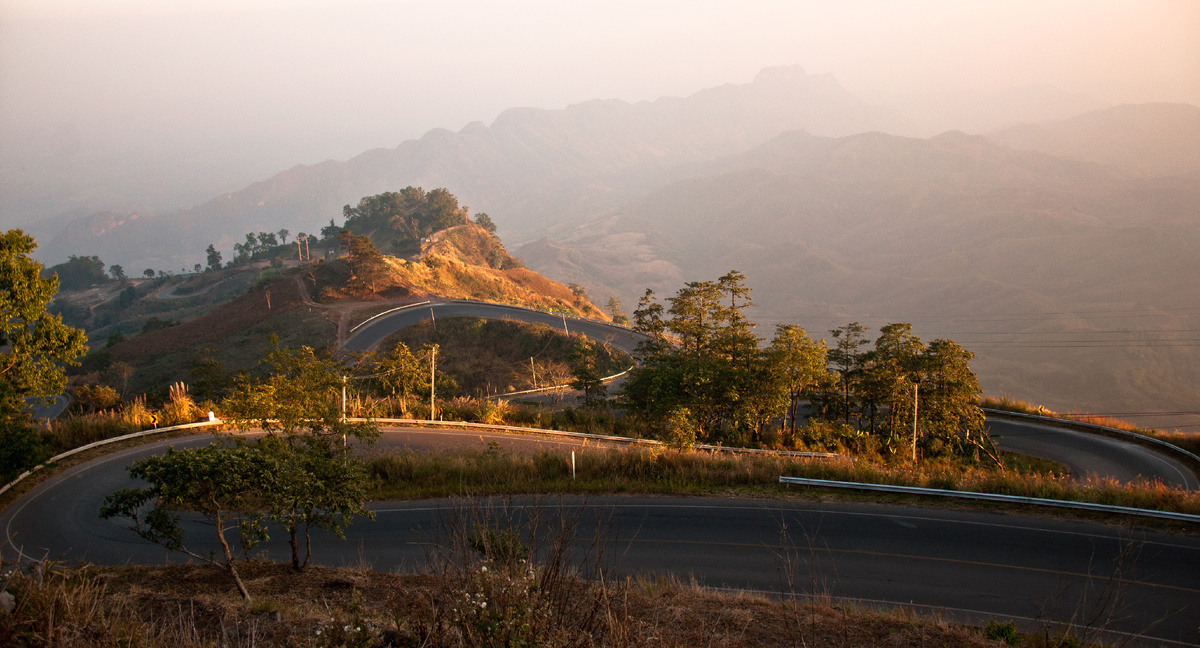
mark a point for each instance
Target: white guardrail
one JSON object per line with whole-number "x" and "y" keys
{"x": 822, "y": 483}
{"x": 991, "y": 497}
{"x": 415, "y": 423}
{"x": 103, "y": 442}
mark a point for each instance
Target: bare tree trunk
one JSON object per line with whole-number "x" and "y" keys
{"x": 229, "y": 559}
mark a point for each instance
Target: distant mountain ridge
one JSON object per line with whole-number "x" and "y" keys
{"x": 528, "y": 169}
{"x": 1153, "y": 140}
{"x": 1016, "y": 254}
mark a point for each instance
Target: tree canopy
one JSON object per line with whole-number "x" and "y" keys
{"x": 312, "y": 479}
{"x": 34, "y": 345}
{"x": 405, "y": 217}
{"x": 77, "y": 273}
{"x": 703, "y": 367}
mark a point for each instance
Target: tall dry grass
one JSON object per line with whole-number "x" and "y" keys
{"x": 408, "y": 475}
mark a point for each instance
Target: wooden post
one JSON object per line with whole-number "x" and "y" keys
{"x": 432, "y": 376}
{"x": 914, "y": 443}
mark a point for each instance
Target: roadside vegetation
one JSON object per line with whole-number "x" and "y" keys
{"x": 658, "y": 470}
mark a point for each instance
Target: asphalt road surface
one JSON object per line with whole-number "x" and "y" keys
{"x": 972, "y": 565}
{"x": 1086, "y": 455}
{"x": 372, "y": 334}
{"x": 1090, "y": 455}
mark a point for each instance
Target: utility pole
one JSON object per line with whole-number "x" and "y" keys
{"x": 914, "y": 443}
{"x": 534, "y": 370}
{"x": 565, "y": 324}
{"x": 343, "y": 409}
{"x": 432, "y": 376}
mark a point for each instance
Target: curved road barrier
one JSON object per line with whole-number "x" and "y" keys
{"x": 991, "y": 497}
{"x": 103, "y": 442}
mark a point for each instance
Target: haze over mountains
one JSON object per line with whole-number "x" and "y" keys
{"x": 1064, "y": 253}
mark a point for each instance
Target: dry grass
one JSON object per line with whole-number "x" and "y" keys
{"x": 193, "y": 606}
{"x": 654, "y": 470}
{"x": 467, "y": 263}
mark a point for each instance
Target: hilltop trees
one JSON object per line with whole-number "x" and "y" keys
{"x": 404, "y": 217}
{"x": 78, "y": 272}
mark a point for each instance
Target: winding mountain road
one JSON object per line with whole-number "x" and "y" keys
{"x": 1086, "y": 455}
{"x": 371, "y": 334}
{"x": 972, "y": 565}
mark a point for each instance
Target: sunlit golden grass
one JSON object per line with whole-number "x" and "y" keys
{"x": 410, "y": 475}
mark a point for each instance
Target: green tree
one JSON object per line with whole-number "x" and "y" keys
{"x": 78, "y": 273}
{"x": 399, "y": 374}
{"x": 221, "y": 481}
{"x": 614, "y": 309}
{"x": 366, "y": 262}
{"x": 117, "y": 272}
{"x": 266, "y": 241}
{"x": 485, "y": 221}
{"x": 700, "y": 354}
{"x": 888, "y": 373}
{"x": 802, "y": 367}
{"x": 949, "y": 395}
{"x": 299, "y": 405}
{"x": 585, "y": 373}
{"x": 34, "y": 345}
{"x": 846, "y": 360}
{"x": 127, "y": 297}
{"x": 312, "y": 482}
{"x": 214, "y": 258}
{"x": 283, "y": 236}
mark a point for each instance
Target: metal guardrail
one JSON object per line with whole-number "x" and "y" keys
{"x": 992, "y": 497}
{"x": 1092, "y": 427}
{"x": 551, "y": 388}
{"x": 102, "y": 442}
{"x": 386, "y": 312}
{"x": 414, "y": 422}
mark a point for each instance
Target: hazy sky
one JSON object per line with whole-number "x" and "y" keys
{"x": 225, "y": 91}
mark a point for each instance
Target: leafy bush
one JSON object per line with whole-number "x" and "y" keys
{"x": 1006, "y": 632}
{"x": 21, "y": 448}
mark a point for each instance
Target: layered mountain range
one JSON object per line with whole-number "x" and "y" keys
{"x": 1064, "y": 253}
